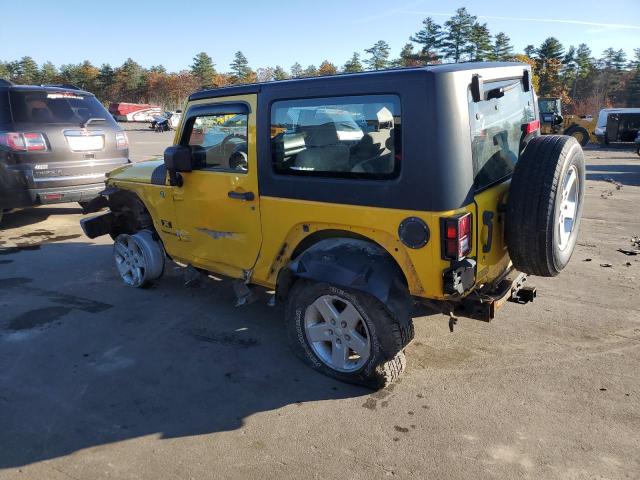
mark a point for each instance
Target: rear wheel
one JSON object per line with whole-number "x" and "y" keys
{"x": 348, "y": 335}
{"x": 579, "y": 133}
{"x": 139, "y": 258}
{"x": 545, "y": 205}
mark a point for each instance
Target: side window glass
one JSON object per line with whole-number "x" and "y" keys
{"x": 349, "y": 137}
{"x": 219, "y": 142}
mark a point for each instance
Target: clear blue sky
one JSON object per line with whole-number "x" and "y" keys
{"x": 284, "y": 31}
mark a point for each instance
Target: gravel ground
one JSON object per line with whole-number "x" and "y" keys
{"x": 102, "y": 381}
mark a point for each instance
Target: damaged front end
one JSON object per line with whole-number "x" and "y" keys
{"x": 127, "y": 214}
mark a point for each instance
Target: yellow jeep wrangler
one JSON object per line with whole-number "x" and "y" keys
{"x": 354, "y": 197}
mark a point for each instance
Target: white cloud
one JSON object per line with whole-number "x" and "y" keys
{"x": 605, "y": 26}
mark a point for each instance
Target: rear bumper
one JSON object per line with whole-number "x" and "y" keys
{"x": 482, "y": 304}
{"x": 79, "y": 193}
{"x": 44, "y": 196}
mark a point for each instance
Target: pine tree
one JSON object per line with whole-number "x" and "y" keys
{"x": 157, "y": 69}
{"x": 530, "y": 51}
{"x": 584, "y": 60}
{"x": 105, "y": 82}
{"x": 502, "y": 49}
{"x": 296, "y": 70}
{"x": 408, "y": 58}
{"x": 203, "y": 69}
{"x": 633, "y": 87}
{"x": 48, "y": 73}
{"x": 457, "y": 33}
{"x": 379, "y": 56}
{"x": 240, "y": 67}
{"x": 550, "y": 49}
{"x": 279, "y": 73}
{"x": 480, "y": 40}
{"x": 310, "y": 71}
{"x": 327, "y": 68}
{"x": 5, "y": 72}
{"x": 634, "y": 63}
{"x": 430, "y": 40}
{"x": 353, "y": 65}
{"x": 27, "y": 71}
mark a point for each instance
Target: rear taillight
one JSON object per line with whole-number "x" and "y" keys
{"x": 122, "y": 141}
{"x": 456, "y": 236}
{"x": 24, "y": 142}
{"x": 531, "y": 127}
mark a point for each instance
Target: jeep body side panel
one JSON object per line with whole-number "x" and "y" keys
{"x": 284, "y": 229}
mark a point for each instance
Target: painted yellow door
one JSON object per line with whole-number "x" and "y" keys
{"x": 217, "y": 209}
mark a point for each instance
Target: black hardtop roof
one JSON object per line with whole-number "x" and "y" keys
{"x": 376, "y": 74}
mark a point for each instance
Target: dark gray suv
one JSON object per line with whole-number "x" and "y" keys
{"x": 56, "y": 144}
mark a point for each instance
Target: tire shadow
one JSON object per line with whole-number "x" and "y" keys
{"x": 625, "y": 174}
{"x": 29, "y": 216}
{"x": 87, "y": 361}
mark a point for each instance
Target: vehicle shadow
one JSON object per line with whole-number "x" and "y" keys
{"x": 87, "y": 361}
{"x": 29, "y": 216}
{"x": 624, "y": 174}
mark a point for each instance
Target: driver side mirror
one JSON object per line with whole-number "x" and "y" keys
{"x": 177, "y": 158}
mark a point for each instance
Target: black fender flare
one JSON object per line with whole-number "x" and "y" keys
{"x": 354, "y": 264}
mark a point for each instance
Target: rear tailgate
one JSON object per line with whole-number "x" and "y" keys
{"x": 77, "y": 152}
{"x": 501, "y": 123}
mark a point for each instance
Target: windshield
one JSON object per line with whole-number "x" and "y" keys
{"x": 496, "y": 130}
{"x": 547, "y": 106}
{"x": 55, "y": 107}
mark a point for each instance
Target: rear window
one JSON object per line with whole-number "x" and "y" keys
{"x": 496, "y": 129}
{"x": 54, "y": 107}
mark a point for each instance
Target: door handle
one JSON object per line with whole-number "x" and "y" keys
{"x": 246, "y": 196}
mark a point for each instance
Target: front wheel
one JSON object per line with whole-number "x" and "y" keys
{"x": 139, "y": 258}
{"x": 348, "y": 335}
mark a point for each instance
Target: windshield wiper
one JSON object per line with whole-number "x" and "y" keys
{"x": 91, "y": 120}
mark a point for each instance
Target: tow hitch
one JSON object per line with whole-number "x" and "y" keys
{"x": 483, "y": 303}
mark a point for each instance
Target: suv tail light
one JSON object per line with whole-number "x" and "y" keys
{"x": 122, "y": 141}
{"x": 456, "y": 236}
{"x": 24, "y": 142}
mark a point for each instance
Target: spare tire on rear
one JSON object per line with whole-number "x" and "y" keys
{"x": 545, "y": 205}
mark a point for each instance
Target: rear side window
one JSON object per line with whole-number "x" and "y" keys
{"x": 348, "y": 137}
{"x": 496, "y": 129}
{"x": 5, "y": 112}
{"x": 55, "y": 107}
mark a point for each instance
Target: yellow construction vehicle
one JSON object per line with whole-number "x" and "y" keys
{"x": 553, "y": 122}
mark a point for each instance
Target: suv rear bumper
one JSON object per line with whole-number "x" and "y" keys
{"x": 44, "y": 196}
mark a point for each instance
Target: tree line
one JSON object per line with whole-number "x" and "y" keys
{"x": 584, "y": 82}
